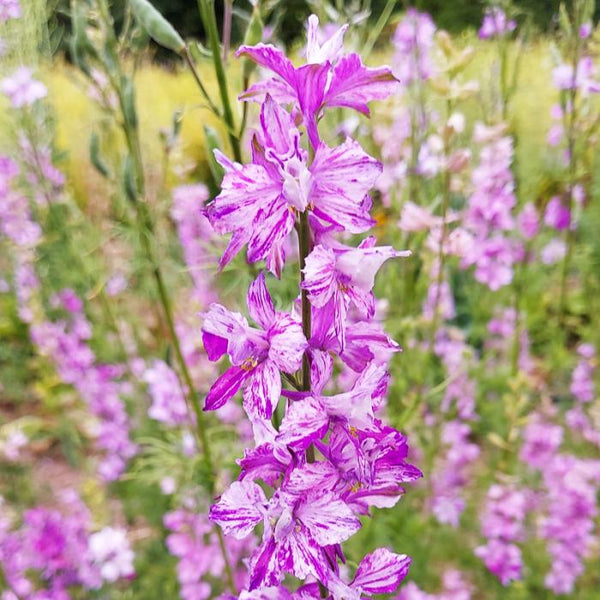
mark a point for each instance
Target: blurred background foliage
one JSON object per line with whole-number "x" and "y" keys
{"x": 288, "y": 16}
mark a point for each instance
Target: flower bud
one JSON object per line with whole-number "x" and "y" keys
{"x": 158, "y": 28}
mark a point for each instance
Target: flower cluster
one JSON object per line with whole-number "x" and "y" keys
{"x": 454, "y": 587}
{"x": 570, "y": 502}
{"x": 195, "y": 236}
{"x": 192, "y": 539}
{"x": 165, "y": 389}
{"x": 53, "y": 551}
{"x": 328, "y": 458}
{"x": 413, "y": 41}
{"x": 10, "y": 9}
{"x": 452, "y": 474}
{"x": 66, "y": 344}
{"x": 580, "y": 419}
{"x": 496, "y": 24}
{"x": 15, "y": 217}
{"x": 22, "y": 89}
{"x": 502, "y": 524}
{"x": 488, "y": 214}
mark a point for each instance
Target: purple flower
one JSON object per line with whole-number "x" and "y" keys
{"x": 195, "y": 235}
{"x": 585, "y": 30}
{"x": 557, "y": 215}
{"x": 196, "y": 545}
{"x": 112, "y": 554}
{"x": 413, "y": 40}
{"x": 334, "y": 278}
{"x": 168, "y": 400}
{"x": 256, "y": 355}
{"x": 452, "y": 472}
{"x": 259, "y": 201}
{"x": 528, "y": 221}
{"x": 332, "y": 80}
{"x": 380, "y": 572}
{"x": 495, "y": 24}
{"x": 298, "y": 525}
{"x": 22, "y": 89}
{"x": 503, "y": 559}
{"x": 582, "y": 381}
{"x": 307, "y": 419}
{"x": 10, "y": 9}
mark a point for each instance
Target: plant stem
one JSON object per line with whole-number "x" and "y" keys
{"x": 190, "y": 61}
{"x": 571, "y": 138}
{"x": 304, "y": 250}
{"x": 304, "y": 247}
{"x": 146, "y": 231}
{"x": 441, "y": 258}
{"x": 378, "y": 28}
{"x": 209, "y": 20}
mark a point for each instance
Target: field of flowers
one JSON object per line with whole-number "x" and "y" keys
{"x": 311, "y": 323}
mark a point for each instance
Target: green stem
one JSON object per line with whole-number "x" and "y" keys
{"x": 571, "y": 138}
{"x": 209, "y": 20}
{"x": 190, "y": 61}
{"x": 146, "y": 230}
{"x": 304, "y": 247}
{"x": 378, "y": 28}
{"x": 73, "y": 254}
{"x": 441, "y": 258}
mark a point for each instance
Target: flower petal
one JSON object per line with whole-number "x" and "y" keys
{"x": 319, "y": 275}
{"x": 280, "y": 136}
{"x": 361, "y": 264}
{"x": 260, "y": 305}
{"x": 321, "y": 369}
{"x": 304, "y": 422}
{"x": 271, "y": 226}
{"x": 262, "y": 394}
{"x": 287, "y": 343}
{"x": 225, "y": 387}
{"x": 353, "y": 84}
{"x": 342, "y": 176}
{"x": 381, "y": 572}
{"x": 269, "y": 57}
{"x": 267, "y": 462}
{"x": 240, "y": 509}
{"x": 329, "y": 519}
{"x": 244, "y": 190}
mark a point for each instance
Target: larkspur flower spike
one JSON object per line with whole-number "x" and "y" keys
{"x": 321, "y": 460}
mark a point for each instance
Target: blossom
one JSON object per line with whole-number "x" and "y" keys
{"x": 502, "y": 559}
{"x": 259, "y": 201}
{"x": 413, "y": 41}
{"x": 378, "y": 573}
{"x": 331, "y": 80}
{"x": 583, "y": 78}
{"x": 452, "y": 472}
{"x": 22, "y": 89}
{"x": 298, "y": 526}
{"x": 195, "y": 236}
{"x": 528, "y": 221}
{"x": 168, "y": 401}
{"x": 10, "y": 9}
{"x": 195, "y": 544}
{"x": 495, "y": 24}
{"x": 582, "y": 381}
{"x": 553, "y": 251}
{"x": 557, "y": 215}
{"x": 66, "y": 344}
{"x": 256, "y": 355}
{"x": 334, "y": 278}
{"x": 110, "y": 551}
